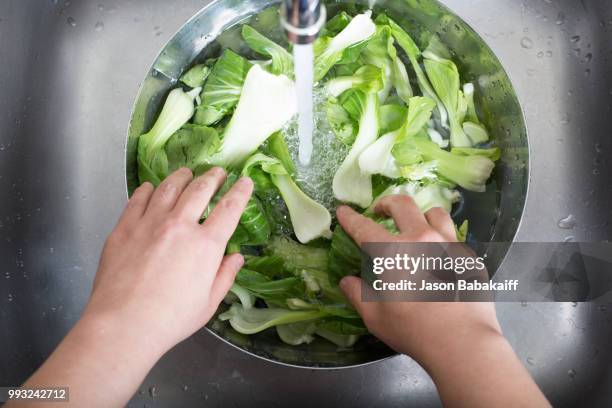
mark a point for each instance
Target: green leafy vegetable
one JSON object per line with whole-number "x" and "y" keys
{"x": 223, "y": 88}
{"x": 350, "y": 184}
{"x": 152, "y": 160}
{"x": 359, "y": 29}
{"x": 195, "y": 76}
{"x": 310, "y": 219}
{"x": 366, "y": 78}
{"x": 251, "y": 321}
{"x": 282, "y": 61}
{"x": 266, "y": 104}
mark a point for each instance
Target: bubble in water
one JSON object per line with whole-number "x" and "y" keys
{"x": 99, "y": 26}
{"x": 71, "y": 22}
{"x": 527, "y": 43}
{"x": 588, "y": 58}
{"x": 569, "y": 238}
{"x": 598, "y": 148}
{"x": 524, "y": 304}
{"x": 530, "y": 360}
{"x": 10, "y": 297}
{"x": 603, "y": 308}
{"x": 571, "y": 373}
{"x": 185, "y": 387}
{"x": 153, "y": 392}
{"x": 575, "y": 39}
{"x": 101, "y": 7}
{"x": 568, "y": 222}
{"x": 574, "y": 304}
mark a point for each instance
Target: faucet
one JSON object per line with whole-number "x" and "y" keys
{"x": 302, "y": 20}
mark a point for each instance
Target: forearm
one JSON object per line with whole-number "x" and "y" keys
{"x": 100, "y": 362}
{"x": 483, "y": 372}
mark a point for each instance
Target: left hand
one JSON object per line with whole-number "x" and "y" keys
{"x": 161, "y": 272}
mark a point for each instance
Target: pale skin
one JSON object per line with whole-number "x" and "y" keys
{"x": 162, "y": 276}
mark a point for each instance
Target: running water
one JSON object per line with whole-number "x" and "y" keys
{"x": 304, "y": 64}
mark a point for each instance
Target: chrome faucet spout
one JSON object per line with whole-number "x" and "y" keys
{"x": 302, "y": 20}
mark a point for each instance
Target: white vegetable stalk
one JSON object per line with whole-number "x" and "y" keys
{"x": 377, "y": 158}
{"x": 360, "y": 28}
{"x": 177, "y": 111}
{"x": 350, "y": 184}
{"x": 267, "y": 102}
{"x": 310, "y": 219}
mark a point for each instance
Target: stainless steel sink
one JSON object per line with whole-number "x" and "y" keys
{"x": 68, "y": 80}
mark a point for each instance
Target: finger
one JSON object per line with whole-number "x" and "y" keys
{"x": 197, "y": 195}
{"x": 230, "y": 266}
{"x": 442, "y": 222}
{"x": 165, "y": 196}
{"x": 137, "y": 204}
{"x": 404, "y": 212}
{"x": 353, "y": 288}
{"x": 360, "y": 228}
{"x": 224, "y": 219}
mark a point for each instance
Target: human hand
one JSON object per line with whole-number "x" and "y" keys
{"x": 418, "y": 329}
{"x": 162, "y": 274}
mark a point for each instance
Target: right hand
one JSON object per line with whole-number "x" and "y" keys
{"x": 419, "y": 329}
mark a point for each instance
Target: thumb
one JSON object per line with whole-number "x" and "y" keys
{"x": 353, "y": 288}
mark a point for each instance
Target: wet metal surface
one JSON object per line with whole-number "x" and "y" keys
{"x": 69, "y": 75}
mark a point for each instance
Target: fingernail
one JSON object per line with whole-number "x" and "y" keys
{"x": 218, "y": 170}
{"x": 186, "y": 170}
{"x": 245, "y": 181}
{"x": 342, "y": 208}
{"x": 344, "y": 283}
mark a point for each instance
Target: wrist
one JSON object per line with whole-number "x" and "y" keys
{"x": 107, "y": 332}
{"x": 466, "y": 346}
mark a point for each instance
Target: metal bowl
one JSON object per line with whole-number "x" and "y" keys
{"x": 494, "y": 215}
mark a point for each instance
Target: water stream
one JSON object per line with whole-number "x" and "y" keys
{"x": 304, "y": 64}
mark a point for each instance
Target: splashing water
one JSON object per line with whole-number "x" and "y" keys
{"x": 328, "y": 153}
{"x": 304, "y": 64}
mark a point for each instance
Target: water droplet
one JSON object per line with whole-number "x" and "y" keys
{"x": 587, "y": 72}
{"x": 185, "y": 387}
{"x": 571, "y": 373}
{"x": 101, "y": 7}
{"x": 524, "y": 304}
{"x": 527, "y": 43}
{"x": 560, "y": 19}
{"x": 568, "y": 222}
{"x": 153, "y": 392}
{"x": 10, "y": 297}
{"x": 540, "y": 54}
{"x": 565, "y": 119}
{"x": 574, "y": 304}
{"x": 569, "y": 238}
{"x": 575, "y": 39}
{"x": 598, "y": 148}
{"x": 588, "y": 58}
{"x": 603, "y": 308}
{"x": 549, "y": 54}
{"x": 71, "y": 22}
{"x": 99, "y": 26}
{"x": 530, "y": 360}
{"x": 596, "y": 172}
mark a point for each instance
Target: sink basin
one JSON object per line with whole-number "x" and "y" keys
{"x": 65, "y": 102}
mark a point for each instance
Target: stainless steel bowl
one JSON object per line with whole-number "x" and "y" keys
{"x": 494, "y": 215}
